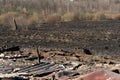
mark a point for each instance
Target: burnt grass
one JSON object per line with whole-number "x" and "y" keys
{"x": 100, "y": 37}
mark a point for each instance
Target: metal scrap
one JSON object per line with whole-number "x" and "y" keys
{"x": 41, "y": 69}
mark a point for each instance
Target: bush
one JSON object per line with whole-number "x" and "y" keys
{"x": 116, "y": 16}
{"x": 100, "y": 16}
{"x": 34, "y": 18}
{"x": 22, "y": 20}
{"x": 87, "y": 16}
{"x": 82, "y": 16}
{"x": 53, "y": 18}
{"x": 6, "y": 18}
{"x": 70, "y": 17}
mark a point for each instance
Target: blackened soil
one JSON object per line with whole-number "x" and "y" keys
{"x": 100, "y": 37}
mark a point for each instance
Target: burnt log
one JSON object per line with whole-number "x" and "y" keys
{"x": 16, "y": 48}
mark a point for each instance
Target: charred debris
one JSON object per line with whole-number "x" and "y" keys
{"x": 19, "y": 63}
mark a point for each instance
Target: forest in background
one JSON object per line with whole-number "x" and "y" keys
{"x": 27, "y": 12}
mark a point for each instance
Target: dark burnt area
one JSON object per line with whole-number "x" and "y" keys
{"x": 100, "y": 37}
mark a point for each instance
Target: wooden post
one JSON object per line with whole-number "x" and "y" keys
{"x": 39, "y": 55}
{"x": 15, "y": 24}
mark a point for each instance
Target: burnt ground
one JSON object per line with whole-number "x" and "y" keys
{"x": 65, "y": 43}
{"x": 101, "y": 37}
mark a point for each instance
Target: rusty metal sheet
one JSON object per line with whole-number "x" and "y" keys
{"x": 41, "y": 69}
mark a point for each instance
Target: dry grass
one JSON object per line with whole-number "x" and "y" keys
{"x": 70, "y": 17}
{"x": 21, "y": 18}
{"x": 116, "y": 16}
{"x": 28, "y": 19}
{"x": 87, "y": 16}
{"x": 48, "y": 11}
{"x": 5, "y": 18}
{"x": 34, "y": 18}
{"x": 53, "y": 18}
{"x": 100, "y": 16}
